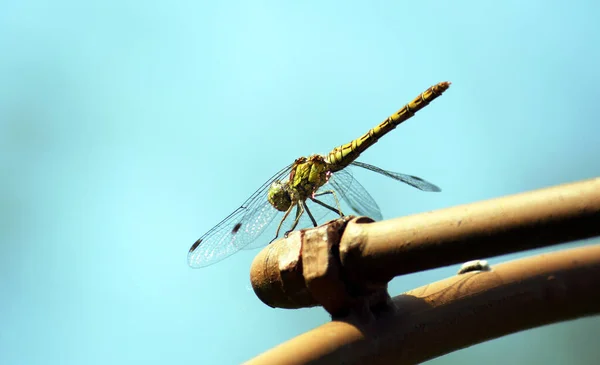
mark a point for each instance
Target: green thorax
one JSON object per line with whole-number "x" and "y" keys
{"x": 306, "y": 177}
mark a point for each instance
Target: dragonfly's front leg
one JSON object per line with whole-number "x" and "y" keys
{"x": 299, "y": 211}
{"x": 287, "y": 213}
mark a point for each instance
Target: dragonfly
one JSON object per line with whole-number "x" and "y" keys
{"x": 310, "y": 187}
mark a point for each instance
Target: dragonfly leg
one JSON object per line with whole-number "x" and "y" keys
{"x": 287, "y": 213}
{"x": 337, "y": 202}
{"x": 314, "y": 222}
{"x": 299, "y": 211}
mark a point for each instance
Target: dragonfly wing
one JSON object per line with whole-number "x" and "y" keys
{"x": 259, "y": 222}
{"x": 354, "y": 194}
{"x": 230, "y": 236}
{"x": 414, "y": 181}
{"x": 237, "y": 230}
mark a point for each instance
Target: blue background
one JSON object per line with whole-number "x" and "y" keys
{"x": 130, "y": 128}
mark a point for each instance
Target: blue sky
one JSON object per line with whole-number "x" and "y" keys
{"x": 128, "y": 129}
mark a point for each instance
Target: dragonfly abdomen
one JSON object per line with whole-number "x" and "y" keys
{"x": 343, "y": 155}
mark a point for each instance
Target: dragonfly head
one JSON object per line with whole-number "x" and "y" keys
{"x": 279, "y": 196}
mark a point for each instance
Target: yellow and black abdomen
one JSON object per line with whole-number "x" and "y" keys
{"x": 343, "y": 155}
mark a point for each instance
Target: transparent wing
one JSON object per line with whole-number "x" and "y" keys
{"x": 238, "y": 229}
{"x": 354, "y": 194}
{"x": 414, "y": 181}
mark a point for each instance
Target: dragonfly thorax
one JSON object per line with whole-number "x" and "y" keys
{"x": 306, "y": 177}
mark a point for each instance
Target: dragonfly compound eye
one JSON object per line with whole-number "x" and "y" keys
{"x": 279, "y": 196}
